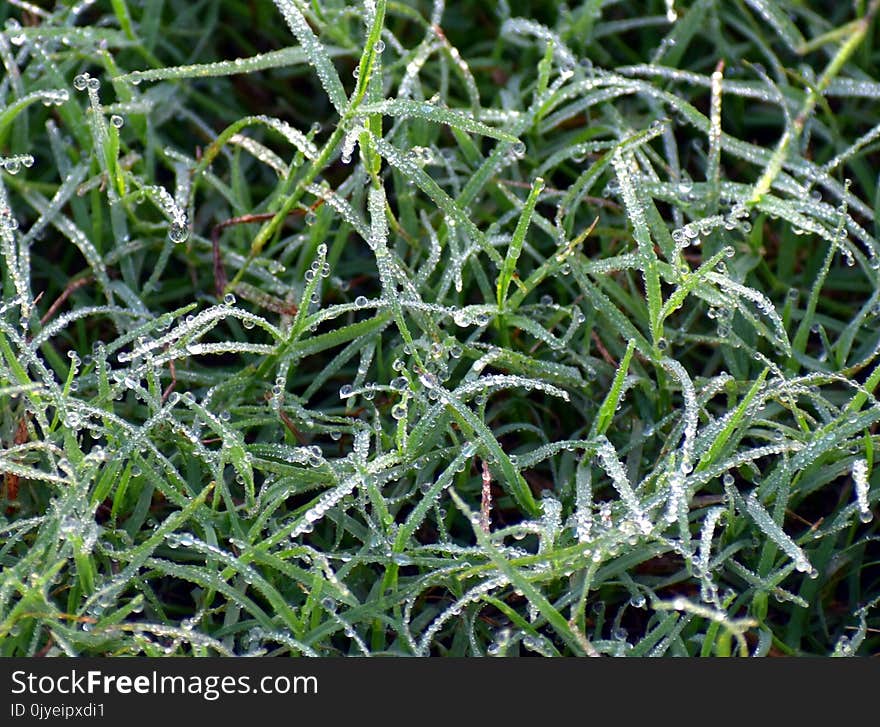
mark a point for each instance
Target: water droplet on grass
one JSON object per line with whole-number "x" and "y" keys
{"x": 429, "y": 380}
{"x": 177, "y": 233}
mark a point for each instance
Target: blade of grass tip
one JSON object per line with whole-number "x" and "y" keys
{"x": 609, "y": 406}
{"x": 378, "y": 242}
{"x": 372, "y": 48}
{"x": 556, "y": 620}
{"x": 370, "y": 86}
{"x": 516, "y": 243}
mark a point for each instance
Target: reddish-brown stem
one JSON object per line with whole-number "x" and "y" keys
{"x": 173, "y": 384}
{"x": 288, "y": 422}
{"x": 11, "y": 480}
{"x": 65, "y": 294}
{"x": 220, "y": 279}
{"x": 602, "y": 350}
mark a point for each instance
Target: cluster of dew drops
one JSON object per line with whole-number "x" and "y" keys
{"x": 178, "y": 230}
{"x": 12, "y": 165}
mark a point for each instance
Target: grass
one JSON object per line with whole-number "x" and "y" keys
{"x": 393, "y": 328}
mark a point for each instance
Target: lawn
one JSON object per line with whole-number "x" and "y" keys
{"x": 439, "y": 329}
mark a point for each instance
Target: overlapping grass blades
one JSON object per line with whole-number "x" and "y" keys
{"x": 381, "y": 334}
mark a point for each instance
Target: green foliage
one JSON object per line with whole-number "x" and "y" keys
{"x": 397, "y": 328}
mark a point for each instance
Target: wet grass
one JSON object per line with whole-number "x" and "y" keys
{"x": 395, "y": 328}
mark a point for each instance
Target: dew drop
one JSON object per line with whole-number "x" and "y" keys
{"x": 178, "y": 233}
